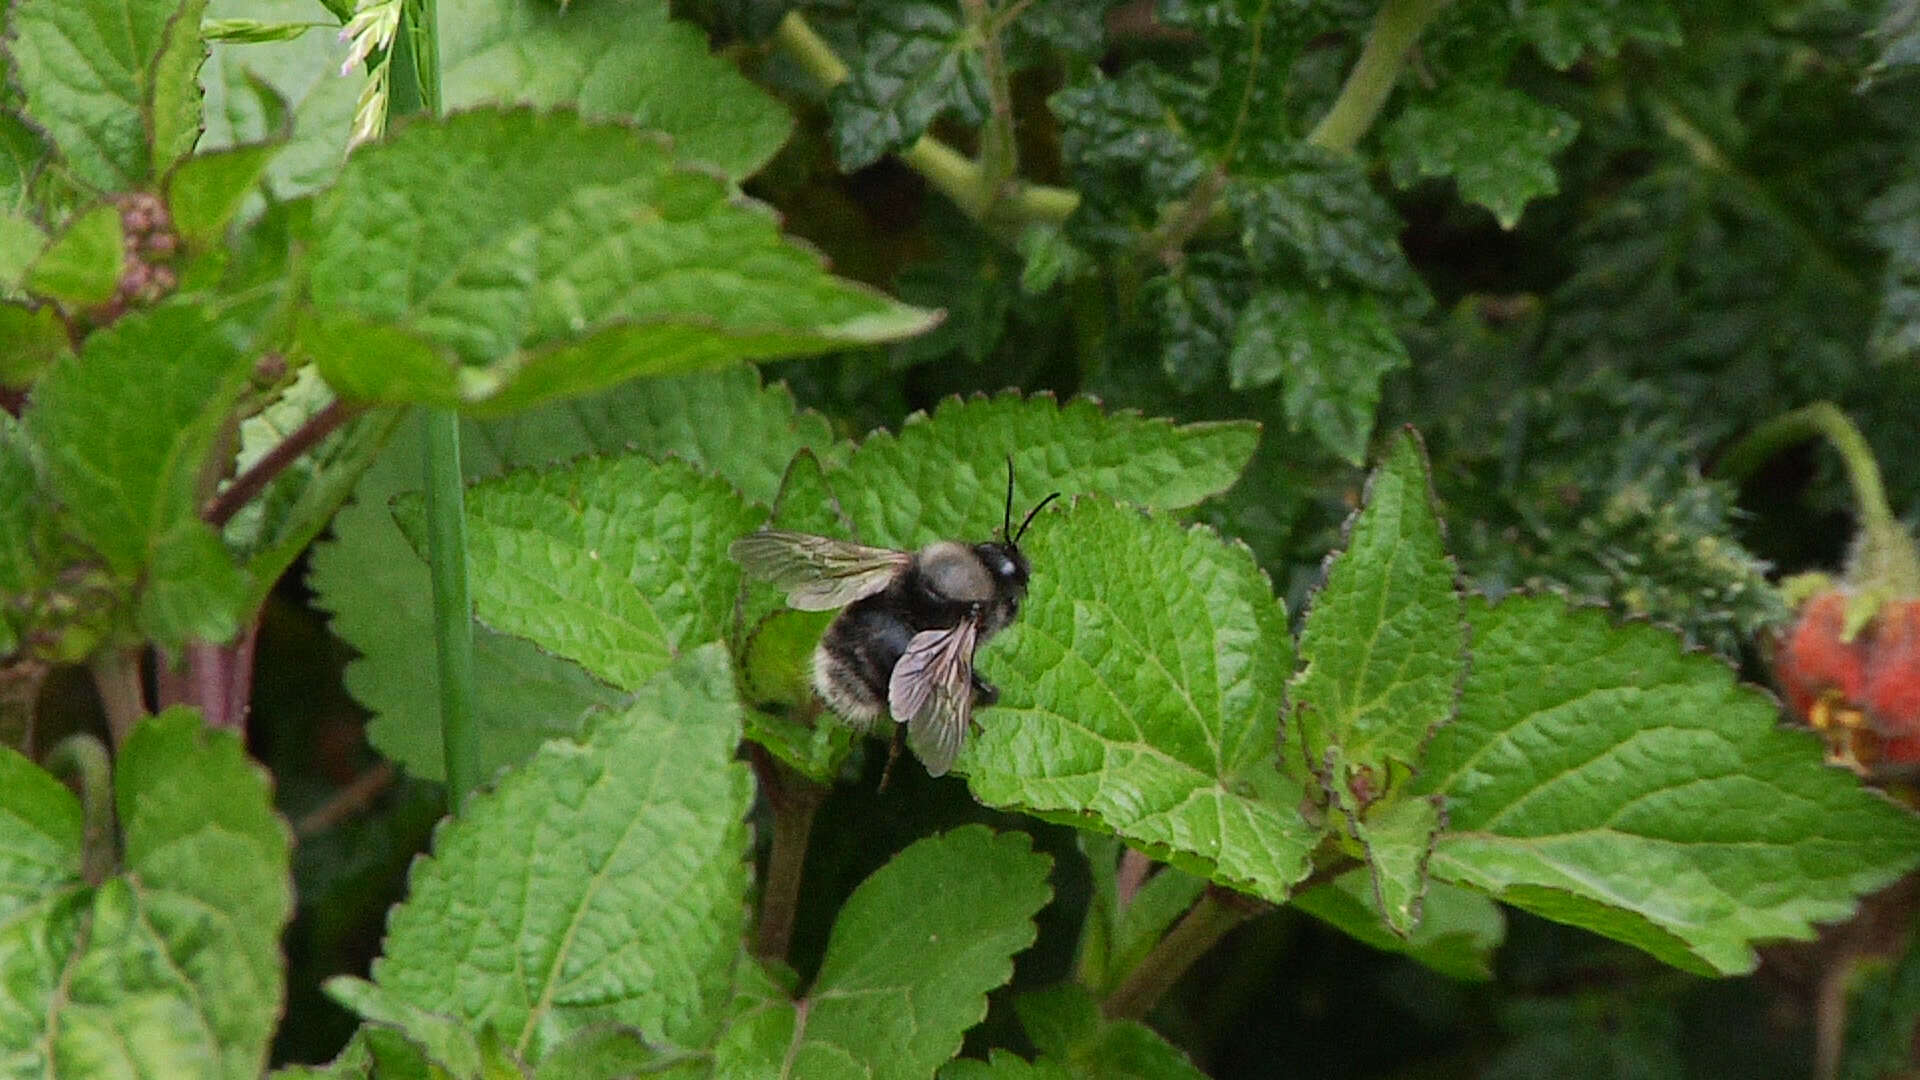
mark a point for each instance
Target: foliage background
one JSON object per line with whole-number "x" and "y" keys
{"x": 1582, "y": 247}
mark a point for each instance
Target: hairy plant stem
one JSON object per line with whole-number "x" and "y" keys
{"x": 1885, "y": 556}
{"x": 20, "y": 681}
{"x": 794, "y": 800}
{"x": 218, "y": 679}
{"x": 116, "y": 675}
{"x": 999, "y": 155}
{"x": 221, "y": 508}
{"x": 84, "y": 759}
{"x": 972, "y": 187}
{"x": 348, "y": 801}
{"x": 1371, "y": 81}
{"x": 1217, "y": 911}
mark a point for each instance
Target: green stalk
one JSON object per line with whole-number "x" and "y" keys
{"x": 1885, "y": 558}
{"x": 416, "y": 89}
{"x": 1371, "y": 81}
{"x": 1217, "y": 911}
{"x": 83, "y": 758}
{"x": 971, "y": 186}
{"x": 446, "y": 510}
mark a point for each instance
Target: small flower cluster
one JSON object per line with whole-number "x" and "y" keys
{"x": 370, "y": 30}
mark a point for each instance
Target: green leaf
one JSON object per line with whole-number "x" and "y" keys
{"x": 634, "y": 843}
{"x": 21, "y": 241}
{"x": 128, "y": 426}
{"x": 1497, "y": 144}
{"x": 509, "y": 51}
{"x": 173, "y": 101}
{"x": 171, "y": 968}
{"x": 369, "y": 577}
{"x": 945, "y": 475}
{"x": 1197, "y": 306}
{"x": 1599, "y": 775}
{"x": 90, "y": 71}
{"x": 1116, "y": 936}
{"x": 1459, "y": 928}
{"x": 607, "y": 1052}
{"x": 1382, "y": 649}
{"x": 1064, "y": 1022}
{"x": 205, "y": 191}
{"x": 1384, "y": 652}
{"x": 594, "y": 258}
{"x": 31, "y": 339}
{"x": 253, "y": 31}
{"x": 618, "y": 564}
{"x": 1124, "y": 156}
{"x": 81, "y": 267}
{"x": 442, "y": 1041}
{"x": 1314, "y": 213}
{"x": 1143, "y": 701}
{"x": 1004, "y": 1065}
{"x": 1332, "y": 348}
{"x": 915, "y": 62}
{"x": 192, "y": 590}
{"x": 23, "y": 531}
{"x": 1563, "y": 31}
{"x": 1894, "y": 220}
{"x": 914, "y": 952}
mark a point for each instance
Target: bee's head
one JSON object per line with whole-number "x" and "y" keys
{"x": 1005, "y": 561}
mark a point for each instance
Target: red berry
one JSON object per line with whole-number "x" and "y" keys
{"x": 1815, "y": 662}
{"x": 1892, "y": 691}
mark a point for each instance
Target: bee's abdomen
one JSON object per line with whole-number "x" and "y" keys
{"x": 856, "y": 658}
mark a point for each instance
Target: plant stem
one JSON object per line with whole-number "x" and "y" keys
{"x": 1371, "y": 81}
{"x": 446, "y": 514}
{"x": 999, "y": 155}
{"x": 1886, "y": 555}
{"x": 83, "y": 758}
{"x": 116, "y": 675}
{"x": 20, "y": 681}
{"x": 221, "y": 508}
{"x": 1217, "y": 911}
{"x": 348, "y": 801}
{"x": 794, "y": 800}
{"x": 967, "y": 183}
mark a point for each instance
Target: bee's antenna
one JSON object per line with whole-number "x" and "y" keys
{"x": 1030, "y": 516}
{"x": 1007, "y": 524}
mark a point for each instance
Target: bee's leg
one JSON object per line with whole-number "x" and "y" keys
{"x": 893, "y": 755}
{"x": 984, "y": 692}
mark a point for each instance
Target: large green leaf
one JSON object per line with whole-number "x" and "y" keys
{"x": 1064, "y": 1022}
{"x": 110, "y": 81}
{"x": 1601, "y": 775}
{"x": 369, "y": 577}
{"x": 603, "y": 882}
{"x": 584, "y": 256}
{"x": 1330, "y": 349}
{"x": 625, "y": 61}
{"x": 618, "y": 564}
{"x": 944, "y": 476}
{"x": 1140, "y": 694}
{"x": 914, "y": 952}
{"x": 170, "y": 968}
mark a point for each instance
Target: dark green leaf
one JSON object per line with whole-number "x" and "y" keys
{"x": 1332, "y": 348}
{"x": 916, "y": 61}
{"x": 1065, "y": 1024}
{"x": 1497, "y": 144}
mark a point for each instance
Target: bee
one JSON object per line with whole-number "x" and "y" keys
{"x": 903, "y": 644}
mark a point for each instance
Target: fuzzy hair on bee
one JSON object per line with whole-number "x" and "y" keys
{"x": 910, "y": 622}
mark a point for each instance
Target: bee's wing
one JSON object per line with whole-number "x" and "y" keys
{"x": 931, "y": 691}
{"x": 818, "y": 573}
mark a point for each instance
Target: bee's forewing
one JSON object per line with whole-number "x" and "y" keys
{"x": 931, "y": 691}
{"x": 817, "y": 572}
